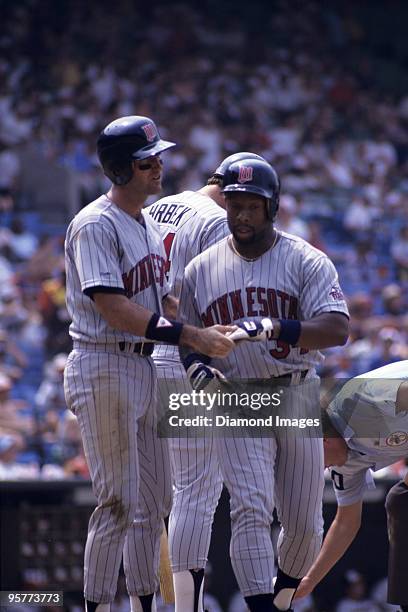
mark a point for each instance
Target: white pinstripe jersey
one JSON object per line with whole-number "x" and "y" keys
{"x": 106, "y": 247}
{"x": 367, "y": 403}
{"x": 292, "y": 280}
{"x": 190, "y": 222}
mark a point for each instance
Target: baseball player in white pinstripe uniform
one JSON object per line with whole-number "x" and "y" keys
{"x": 190, "y": 222}
{"x": 117, "y": 297}
{"x": 366, "y": 428}
{"x": 284, "y": 295}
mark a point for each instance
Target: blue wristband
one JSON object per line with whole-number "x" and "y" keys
{"x": 289, "y": 331}
{"x": 163, "y": 330}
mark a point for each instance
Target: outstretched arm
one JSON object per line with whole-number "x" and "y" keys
{"x": 123, "y": 315}
{"x": 324, "y": 330}
{"x": 341, "y": 533}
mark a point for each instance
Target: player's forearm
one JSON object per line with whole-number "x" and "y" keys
{"x": 339, "y": 537}
{"x": 209, "y": 341}
{"x": 324, "y": 334}
{"x": 190, "y": 338}
{"x": 323, "y": 331}
{"x": 122, "y": 314}
{"x": 125, "y": 316}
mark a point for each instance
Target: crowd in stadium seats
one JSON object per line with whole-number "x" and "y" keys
{"x": 296, "y": 87}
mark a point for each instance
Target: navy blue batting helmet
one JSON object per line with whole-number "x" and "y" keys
{"x": 254, "y": 176}
{"x": 127, "y": 139}
{"x": 222, "y": 168}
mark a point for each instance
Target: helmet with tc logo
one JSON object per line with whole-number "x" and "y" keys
{"x": 123, "y": 141}
{"x": 224, "y": 165}
{"x": 254, "y": 176}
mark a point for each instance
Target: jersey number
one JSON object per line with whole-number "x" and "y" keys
{"x": 168, "y": 242}
{"x": 282, "y": 350}
{"x": 338, "y": 480}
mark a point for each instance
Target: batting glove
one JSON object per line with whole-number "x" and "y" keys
{"x": 201, "y": 375}
{"x": 253, "y": 330}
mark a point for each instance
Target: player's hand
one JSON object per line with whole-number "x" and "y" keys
{"x": 305, "y": 587}
{"x": 200, "y": 375}
{"x": 211, "y": 341}
{"x": 253, "y": 330}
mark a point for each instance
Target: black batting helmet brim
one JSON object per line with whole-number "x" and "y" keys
{"x": 153, "y": 149}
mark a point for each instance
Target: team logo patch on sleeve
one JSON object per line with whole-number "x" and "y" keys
{"x": 397, "y": 438}
{"x": 245, "y": 174}
{"x": 150, "y": 131}
{"x": 337, "y": 293}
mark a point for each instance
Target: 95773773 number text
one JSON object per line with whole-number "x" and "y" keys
{"x": 35, "y": 598}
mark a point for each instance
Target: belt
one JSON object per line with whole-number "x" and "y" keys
{"x": 144, "y": 349}
{"x": 301, "y": 375}
{"x": 286, "y": 379}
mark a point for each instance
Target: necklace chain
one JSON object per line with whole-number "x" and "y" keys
{"x": 231, "y": 241}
